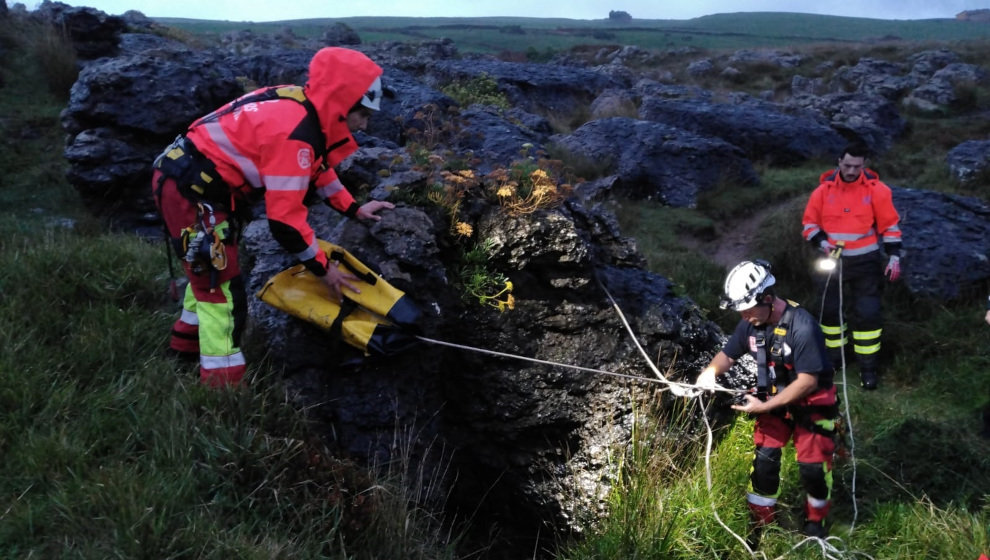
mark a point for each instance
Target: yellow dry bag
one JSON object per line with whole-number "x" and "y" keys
{"x": 379, "y": 320}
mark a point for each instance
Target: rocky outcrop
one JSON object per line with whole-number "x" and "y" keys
{"x": 531, "y": 87}
{"x": 535, "y": 438}
{"x": 761, "y": 129}
{"x": 872, "y": 119}
{"x": 92, "y": 32}
{"x": 946, "y": 247}
{"x": 969, "y": 160}
{"x": 942, "y": 90}
{"x": 123, "y": 111}
{"x": 660, "y": 162}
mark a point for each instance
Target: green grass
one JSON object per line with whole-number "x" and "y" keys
{"x": 112, "y": 450}
{"x": 721, "y": 31}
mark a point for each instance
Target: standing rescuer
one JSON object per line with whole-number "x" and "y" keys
{"x": 851, "y": 207}
{"x": 794, "y": 397}
{"x": 280, "y": 143}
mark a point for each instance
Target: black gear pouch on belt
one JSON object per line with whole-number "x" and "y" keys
{"x": 765, "y": 374}
{"x": 195, "y": 175}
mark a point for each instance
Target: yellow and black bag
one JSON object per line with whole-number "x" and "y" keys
{"x": 380, "y": 320}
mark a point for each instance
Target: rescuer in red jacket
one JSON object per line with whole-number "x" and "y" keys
{"x": 853, "y": 208}
{"x": 279, "y": 143}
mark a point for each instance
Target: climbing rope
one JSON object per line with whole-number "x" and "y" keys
{"x": 845, "y": 385}
{"x": 661, "y": 380}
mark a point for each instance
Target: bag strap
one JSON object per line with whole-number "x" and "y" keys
{"x": 312, "y": 133}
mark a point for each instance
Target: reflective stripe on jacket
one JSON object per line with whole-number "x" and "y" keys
{"x": 861, "y": 214}
{"x": 269, "y": 145}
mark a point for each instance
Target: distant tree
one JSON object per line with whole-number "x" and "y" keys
{"x": 618, "y": 15}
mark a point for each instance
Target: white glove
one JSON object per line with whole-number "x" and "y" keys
{"x": 706, "y": 380}
{"x": 826, "y": 247}
{"x": 682, "y": 391}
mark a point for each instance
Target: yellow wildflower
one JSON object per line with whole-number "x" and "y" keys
{"x": 464, "y": 229}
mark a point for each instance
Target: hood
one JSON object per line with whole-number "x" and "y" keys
{"x": 832, "y": 176}
{"x": 338, "y": 77}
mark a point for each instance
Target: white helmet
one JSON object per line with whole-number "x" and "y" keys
{"x": 373, "y": 98}
{"x": 745, "y": 284}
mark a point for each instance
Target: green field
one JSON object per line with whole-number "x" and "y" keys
{"x": 720, "y": 31}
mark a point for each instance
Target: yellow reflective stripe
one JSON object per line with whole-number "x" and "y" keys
{"x": 835, "y": 343}
{"x": 826, "y": 424}
{"x": 828, "y": 329}
{"x": 867, "y": 349}
{"x": 866, "y": 335}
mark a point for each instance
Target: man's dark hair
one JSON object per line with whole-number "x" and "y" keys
{"x": 856, "y": 149}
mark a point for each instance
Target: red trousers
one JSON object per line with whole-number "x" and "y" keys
{"x": 215, "y": 305}
{"x": 814, "y": 442}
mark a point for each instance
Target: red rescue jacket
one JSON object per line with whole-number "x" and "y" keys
{"x": 273, "y": 146}
{"x": 860, "y": 213}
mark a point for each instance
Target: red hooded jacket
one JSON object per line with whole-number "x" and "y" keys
{"x": 268, "y": 146}
{"x": 861, "y": 214}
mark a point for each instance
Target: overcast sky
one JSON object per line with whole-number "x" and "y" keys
{"x": 268, "y": 10}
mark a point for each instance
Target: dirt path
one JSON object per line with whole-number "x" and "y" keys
{"x": 735, "y": 242}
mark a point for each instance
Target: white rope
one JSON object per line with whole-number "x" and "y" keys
{"x": 709, "y": 437}
{"x": 569, "y": 366}
{"x": 845, "y": 385}
{"x": 708, "y": 484}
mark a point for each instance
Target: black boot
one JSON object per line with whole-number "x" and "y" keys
{"x": 754, "y": 536}
{"x": 815, "y": 529}
{"x": 835, "y": 356}
{"x": 869, "y": 379}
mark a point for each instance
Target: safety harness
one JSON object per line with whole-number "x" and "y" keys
{"x": 197, "y": 180}
{"x": 769, "y": 352}
{"x": 197, "y": 176}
